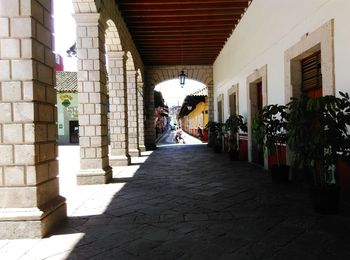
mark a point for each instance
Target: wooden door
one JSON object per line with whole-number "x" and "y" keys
{"x": 257, "y": 155}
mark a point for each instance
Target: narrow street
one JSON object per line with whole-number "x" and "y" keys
{"x": 186, "y": 202}
{"x": 169, "y": 138}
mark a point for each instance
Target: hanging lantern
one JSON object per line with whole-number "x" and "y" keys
{"x": 182, "y": 78}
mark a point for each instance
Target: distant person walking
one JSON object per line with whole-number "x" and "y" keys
{"x": 178, "y": 136}
{"x": 200, "y": 133}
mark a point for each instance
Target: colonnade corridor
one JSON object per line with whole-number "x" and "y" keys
{"x": 187, "y": 202}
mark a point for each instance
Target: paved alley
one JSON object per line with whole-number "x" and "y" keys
{"x": 187, "y": 202}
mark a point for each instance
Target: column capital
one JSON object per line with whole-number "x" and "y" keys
{"x": 132, "y": 72}
{"x": 116, "y": 55}
{"x": 87, "y": 19}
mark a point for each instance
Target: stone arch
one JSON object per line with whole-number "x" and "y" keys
{"x": 130, "y": 65}
{"x": 113, "y": 42}
{"x": 139, "y": 76}
{"x": 157, "y": 74}
{"x": 109, "y": 11}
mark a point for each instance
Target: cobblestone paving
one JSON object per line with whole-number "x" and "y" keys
{"x": 187, "y": 202}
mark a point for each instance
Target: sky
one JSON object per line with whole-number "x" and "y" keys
{"x": 65, "y": 36}
{"x": 65, "y": 32}
{"x": 173, "y": 94}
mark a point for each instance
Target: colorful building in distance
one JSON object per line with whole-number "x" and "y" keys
{"x": 193, "y": 115}
{"x": 67, "y": 107}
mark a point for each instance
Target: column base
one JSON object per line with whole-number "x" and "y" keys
{"x": 94, "y": 176}
{"x": 134, "y": 153}
{"x": 142, "y": 148}
{"x": 20, "y": 223}
{"x": 121, "y": 160}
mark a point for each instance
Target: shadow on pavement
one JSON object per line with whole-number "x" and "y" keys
{"x": 187, "y": 202}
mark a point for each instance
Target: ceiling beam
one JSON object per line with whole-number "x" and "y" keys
{"x": 169, "y": 32}
{"x": 182, "y": 13}
{"x": 175, "y": 2}
{"x": 185, "y": 7}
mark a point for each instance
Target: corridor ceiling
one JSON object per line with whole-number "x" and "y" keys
{"x": 181, "y": 32}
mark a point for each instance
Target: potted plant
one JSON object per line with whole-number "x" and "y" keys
{"x": 269, "y": 133}
{"x": 215, "y": 135}
{"x": 210, "y": 128}
{"x": 318, "y": 137}
{"x": 233, "y": 125}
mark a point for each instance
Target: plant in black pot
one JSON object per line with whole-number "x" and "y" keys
{"x": 210, "y": 128}
{"x": 318, "y": 136}
{"x": 233, "y": 125}
{"x": 215, "y": 135}
{"x": 269, "y": 133}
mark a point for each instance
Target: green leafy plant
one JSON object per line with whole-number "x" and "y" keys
{"x": 233, "y": 125}
{"x": 269, "y": 129}
{"x": 215, "y": 135}
{"x": 318, "y": 135}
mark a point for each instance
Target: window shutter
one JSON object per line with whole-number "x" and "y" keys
{"x": 311, "y": 72}
{"x": 232, "y": 103}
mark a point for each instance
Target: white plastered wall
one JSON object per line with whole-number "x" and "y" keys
{"x": 266, "y": 31}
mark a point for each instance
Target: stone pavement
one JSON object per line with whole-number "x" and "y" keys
{"x": 187, "y": 202}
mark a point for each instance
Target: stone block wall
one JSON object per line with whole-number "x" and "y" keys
{"x": 29, "y": 197}
{"x": 132, "y": 114}
{"x": 92, "y": 96}
{"x": 141, "y": 118}
{"x": 118, "y": 109}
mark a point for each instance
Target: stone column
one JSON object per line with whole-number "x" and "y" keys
{"x": 119, "y": 154}
{"x": 92, "y": 96}
{"x": 210, "y": 102}
{"x": 30, "y": 205}
{"x": 132, "y": 114}
{"x": 141, "y": 110}
{"x": 150, "y": 132}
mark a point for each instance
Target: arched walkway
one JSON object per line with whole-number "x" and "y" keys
{"x": 98, "y": 33}
{"x": 157, "y": 74}
{"x": 30, "y": 200}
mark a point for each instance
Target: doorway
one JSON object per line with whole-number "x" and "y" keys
{"x": 74, "y": 132}
{"x": 256, "y": 107}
